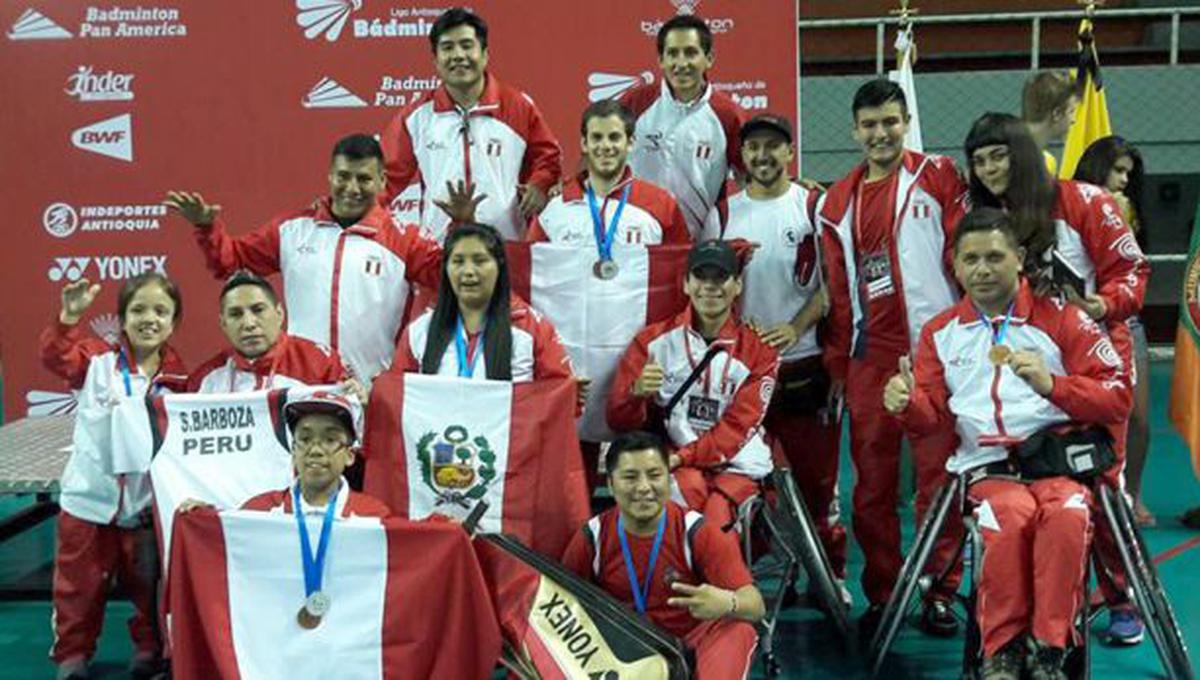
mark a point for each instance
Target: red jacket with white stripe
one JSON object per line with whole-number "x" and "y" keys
{"x": 537, "y": 352}
{"x": 1092, "y": 235}
{"x": 291, "y": 362}
{"x": 650, "y": 217}
{"x": 94, "y": 367}
{"x": 740, "y": 379}
{"x": 687, "y": 149}
{"x": 499, "y": 143}
{"x": 989, "y": 406}
{"x": 927, "y": 206}
{"x": 344, "y": 287}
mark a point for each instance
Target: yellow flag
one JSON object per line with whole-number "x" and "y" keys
{"x": 1091, "y": 121}
{"x": 1184, "y": 409}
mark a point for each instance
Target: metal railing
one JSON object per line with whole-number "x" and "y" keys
{"x": 1034, "y": 18}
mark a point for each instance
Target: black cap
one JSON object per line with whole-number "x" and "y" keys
{"x": 766, "y": 121}
{"x": 713, "y": 253}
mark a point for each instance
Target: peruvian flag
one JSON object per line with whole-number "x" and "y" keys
{"x": 408, "y": 600}
{"x": 439, "y": 445}
{"x": 596, "y": 319}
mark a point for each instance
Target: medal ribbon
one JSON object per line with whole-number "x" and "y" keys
{"x": 997, "y": 336}
{"x": 604, "y": 238}
{"x": 466, "y": 367}
{"x": 313, "y": 566}
{"x": 641, "y": 592}
{"x": 123, "y": 363}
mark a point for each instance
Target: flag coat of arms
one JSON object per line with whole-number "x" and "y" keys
{"x": 596, "y": 319}
{"x": 222, "y": 449}
{"x": 408, "y": 600}
{"x": 439, "y": 445}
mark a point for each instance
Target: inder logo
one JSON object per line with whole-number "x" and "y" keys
{"x": 33, "y": 25}
{"x": 112, "y": 137}
{"x": 88, "y": 86}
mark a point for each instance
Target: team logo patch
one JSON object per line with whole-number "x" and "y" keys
{"x": 704, "y": 151}
{"x": 458, "y": 468}
{"x": 1088, "y": 191}
{"x": 1106, "y": 353}
{"x": 1128, "y": 247}
{"x": 766, "y": 390}
{"x": 374, "y": 265}
{"x": 1191, "y": 294}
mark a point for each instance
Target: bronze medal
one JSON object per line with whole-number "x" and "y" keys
{"x": 306, "y": 620}
{"x": 605, "y": 269}
{"x": 999, "y": 354}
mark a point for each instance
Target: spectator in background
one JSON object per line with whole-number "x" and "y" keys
{"x": 1049, "y": 101}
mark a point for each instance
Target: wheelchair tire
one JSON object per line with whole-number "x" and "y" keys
{"x": 810, "y": 551}
{"x": 910, "y": 574}
{"x": 1148, "y": 594}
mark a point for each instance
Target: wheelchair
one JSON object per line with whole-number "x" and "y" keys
{"x": 1147, "y": 591}
{"x": 777, "y": 518}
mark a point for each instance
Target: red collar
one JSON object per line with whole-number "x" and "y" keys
{"x": 375, "y": 219}
{"x": 968, "y": 312}
{"x": 575, "y": 190}
{"x": 263, "y": 363}
{"x": 837, "y": 199}
{"x": 703, "y": 98}
{"x": 489, "y": 99}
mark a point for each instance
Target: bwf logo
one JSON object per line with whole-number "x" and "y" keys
{"x": 112, "y": 137}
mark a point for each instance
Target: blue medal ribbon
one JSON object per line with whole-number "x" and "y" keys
{"x": 604, "y": 237}
{"x": 997, "y": 336}
{"x": 641, "y": 592}
{"x": 466, "y": 368}
{"x": 123, "y": 364}
{"x": 313, "y": 566}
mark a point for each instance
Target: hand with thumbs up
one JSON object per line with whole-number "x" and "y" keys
{"x": 898, "y": 390}
{"x": 650, "y": 380}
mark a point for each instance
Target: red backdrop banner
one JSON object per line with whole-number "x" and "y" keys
{"x": 107, "y": 106}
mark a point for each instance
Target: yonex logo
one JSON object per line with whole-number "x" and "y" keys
{"x": 329, "y": 94}
{"x": 33, "y": 25}
{"x": 69, "y": 268}
{"x": 107, "y": 267}
{"x": 612, "y": 85}
{"x": 60, "y": 219}
{"x": 325, "y": 17}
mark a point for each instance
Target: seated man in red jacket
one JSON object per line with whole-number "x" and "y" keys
{"x": 999, "y": 366}
{"x": 710, "y": 378}
{"x": 260, "y": 354}
{"x": 670, "y": 564}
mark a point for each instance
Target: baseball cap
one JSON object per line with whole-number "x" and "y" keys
{"x": 713, "y": 253}
{"x": 324, "y": 402}
{"x": 766, "y": 121}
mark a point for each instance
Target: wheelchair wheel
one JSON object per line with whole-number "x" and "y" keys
{"x": 973, "y": 642}
{"x": 1148, "y": 593}
{"x": 910, "y": 574}
{"x": 810, "y": 551}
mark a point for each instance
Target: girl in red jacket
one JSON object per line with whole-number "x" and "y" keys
{"x": 104, "y": 527}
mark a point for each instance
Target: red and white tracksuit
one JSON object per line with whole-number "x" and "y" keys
{"x": 1092, "y": 234}
{"x": 694, "y": 551}
{"x": 887, "y": 252}
{"x": 779, "y": 281}
{"x": 537, "y": 352}
{"x": 1036, "y": 536}
{"x": 687, "y": 149}
{"x": 717, "y": 426}
{"x": 291, "y": 361}
{"x": 348, "y": 288}
{"x": 103, "y": 528}
{"x": 650, "y": 216}
{"x": 500, "y": 143}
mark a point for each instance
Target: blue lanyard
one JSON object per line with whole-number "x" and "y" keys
{"x": 313, "y": 567}
{"x": 604, "y": 238}
{"x": 641, "y": 592}
{"x": 123, "y": 364}
{"x": 998, "y": 337}
{"x": 465, "y": 369}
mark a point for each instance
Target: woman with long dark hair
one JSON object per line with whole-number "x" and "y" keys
{"x": 478, "y": 329}
{"x": 104, "y": 529}
{"x": 1083, "y": 226}
{"x": 1114, "y": 164}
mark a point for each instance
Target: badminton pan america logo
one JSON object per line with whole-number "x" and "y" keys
{"x": 330, "y": 94}
{"x": 612, "y": 85}
{"x": 33, "y": 25}
{"x": 325, "y": 17}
